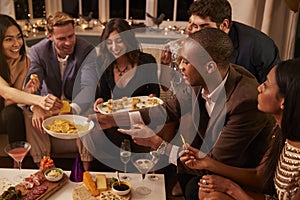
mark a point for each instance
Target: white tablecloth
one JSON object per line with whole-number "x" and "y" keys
{"x": 65, "y": 193}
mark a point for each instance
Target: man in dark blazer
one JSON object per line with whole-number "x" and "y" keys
{"x": 56, "y": 61}
{"x": 224, "y": 114}
{"x": 253, "y": 49}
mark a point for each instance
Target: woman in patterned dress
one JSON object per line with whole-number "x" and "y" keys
{"x": 279, "y": 172}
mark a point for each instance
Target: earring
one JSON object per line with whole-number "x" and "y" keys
{"x": 282, "y": 107}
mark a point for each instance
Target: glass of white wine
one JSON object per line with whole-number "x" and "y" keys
{"x": 125, "y": 154}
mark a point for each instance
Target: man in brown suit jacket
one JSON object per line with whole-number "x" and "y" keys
{"x": 227, "y": 125}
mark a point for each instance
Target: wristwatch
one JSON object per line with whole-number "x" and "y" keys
{"x": 162, "y": 148}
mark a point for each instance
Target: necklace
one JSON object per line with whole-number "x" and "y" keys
{"x": 121, "y": 72}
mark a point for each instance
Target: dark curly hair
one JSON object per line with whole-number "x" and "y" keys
{"x": 216, "y": 10}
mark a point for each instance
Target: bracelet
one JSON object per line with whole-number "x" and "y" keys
{"x": 162, "y": 148}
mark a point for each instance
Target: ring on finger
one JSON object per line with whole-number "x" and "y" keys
{"x": 204, "y": 182}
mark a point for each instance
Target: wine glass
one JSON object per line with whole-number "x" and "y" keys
{"x": 18, "y": 150}
{"x": 125, "y": 153}
{"x": 143, "y": 162}
{"x": 155, "y": 158}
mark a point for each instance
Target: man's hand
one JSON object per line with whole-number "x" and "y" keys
{"x": 105, "y": 121}
{"x": 32, "y": 86}
{"x": 165, "y": 57}
{"x": 143, "y": 135}
{"x": 193, "y": 158}
{"x": 98, "y": 101}
{"x": 38, "y": 116}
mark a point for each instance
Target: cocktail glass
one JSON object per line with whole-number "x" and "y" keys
{"x": 155, "y": 158}
{"x": 143, "y": 162}
{"x": 18, "y": 150}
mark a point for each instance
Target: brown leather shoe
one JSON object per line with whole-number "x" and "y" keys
{"x": 176, "y": 190}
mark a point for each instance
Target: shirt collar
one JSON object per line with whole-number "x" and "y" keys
{"x": 62, "y": 59}
{"x": 213, "y": 96}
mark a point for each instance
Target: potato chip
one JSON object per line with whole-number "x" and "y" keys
{"x": 65, "y": 126}
{"x": 66, "y": 107}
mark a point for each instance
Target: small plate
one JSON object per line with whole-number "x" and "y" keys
{"x": 126, "y": 104}
{"x": 76, "y": 119}
{"x": 54, "y": 174}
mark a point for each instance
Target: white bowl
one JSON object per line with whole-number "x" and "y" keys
{"x": 77, "y": 119}
{"x": 121, "y": 192}
{"x": 54, "y": 174}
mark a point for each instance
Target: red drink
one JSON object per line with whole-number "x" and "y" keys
{"x": 18, "y": 153}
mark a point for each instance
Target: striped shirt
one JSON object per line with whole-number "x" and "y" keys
{"x": 287, "y": 176}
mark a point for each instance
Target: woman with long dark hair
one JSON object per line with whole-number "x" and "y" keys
{"x": 128, "y": 71}
{"x": 14, "y": 66}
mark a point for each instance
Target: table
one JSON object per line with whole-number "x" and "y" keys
{"x": 157, "y": 187}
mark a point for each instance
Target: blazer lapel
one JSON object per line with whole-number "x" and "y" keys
{"x": 54, "y": 65}
{"x": 218, "y": 115}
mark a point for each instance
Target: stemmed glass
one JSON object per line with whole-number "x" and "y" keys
{"x": 155, "y": 158}
{"x": 125, "y": 154}
{"x": 18, "y": 150}
{"x": 143, "y": 162}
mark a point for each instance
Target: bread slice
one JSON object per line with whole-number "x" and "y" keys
{"x": 90, "y": 184}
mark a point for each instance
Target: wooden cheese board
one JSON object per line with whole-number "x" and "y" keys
{"x": 52, "y": 187}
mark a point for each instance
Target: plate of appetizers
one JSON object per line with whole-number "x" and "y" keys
{"x": 126, "y": 104}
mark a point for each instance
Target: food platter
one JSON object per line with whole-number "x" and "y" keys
{"x": 37, "y": 187}
{"x": 80, "y": 192}
{"x": 53, "y": 126}
{"x": 127, "y": 104}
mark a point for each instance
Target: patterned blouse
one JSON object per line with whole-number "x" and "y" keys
{"x": 287, "y": 176}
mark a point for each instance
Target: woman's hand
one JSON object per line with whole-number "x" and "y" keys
{"x": 98, "y": 101}
{"x": 32, "y": 86}
{"x": 50, "y": 102}
{"x": 216, "y": 183}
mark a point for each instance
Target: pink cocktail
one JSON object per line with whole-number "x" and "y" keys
{"x": 18, "y": 153}
{"x": 18, "y": 150}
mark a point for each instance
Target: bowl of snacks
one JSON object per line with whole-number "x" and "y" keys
{"x": 67, "y": 126}
{"x": 54, "y": 174}
{"x": 121, "y": 188}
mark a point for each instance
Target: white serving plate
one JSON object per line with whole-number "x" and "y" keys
{"x": 125, "y": 106}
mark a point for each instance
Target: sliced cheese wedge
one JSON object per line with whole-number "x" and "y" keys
{"x": 101, "y": 182}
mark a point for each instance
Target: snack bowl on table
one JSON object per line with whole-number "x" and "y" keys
{"x": 121, "y": 188}
{"x": 54, "y": 174}
{"x": 62, "y": 126}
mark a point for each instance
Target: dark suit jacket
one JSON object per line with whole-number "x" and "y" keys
{"x": 44, "y": 63}
{"x": 245, "y": 134}
{"x": 253, "y": 50}
{"x": 236, "y": 133}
